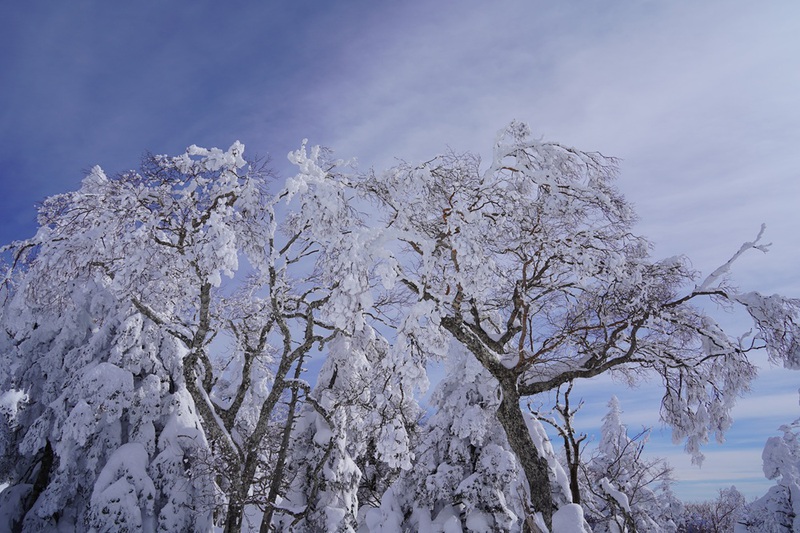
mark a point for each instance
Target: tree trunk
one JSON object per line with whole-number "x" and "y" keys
{"x": 533, "y": 465}
{"x": 511, "y": 418}
{"x": 574, "y": 487}
{"x": 277, "y": 476}
{"x": 39, "y": 485}
{"x": 233, "y": 519}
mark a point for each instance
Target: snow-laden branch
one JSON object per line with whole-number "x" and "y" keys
{"x": 712, "y": 279}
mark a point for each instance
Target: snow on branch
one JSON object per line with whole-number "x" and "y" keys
{"x": 723, "y": 270}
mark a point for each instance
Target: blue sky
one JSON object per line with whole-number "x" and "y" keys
{"x": 698, "y": 99}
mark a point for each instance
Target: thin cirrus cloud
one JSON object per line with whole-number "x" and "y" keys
{"x": 695, "y": 100}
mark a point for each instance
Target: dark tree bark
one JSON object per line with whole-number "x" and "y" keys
{"x": 277, "y": 480}
{"x": 39, "y": 485}
{"x": 512, "y": 419}
{"x": 535, "y": 466}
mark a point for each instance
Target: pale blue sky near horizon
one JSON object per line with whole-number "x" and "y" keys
{"x": 698, "y": 99}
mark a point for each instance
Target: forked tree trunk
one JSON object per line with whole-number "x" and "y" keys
{"x": 277, "y": 476}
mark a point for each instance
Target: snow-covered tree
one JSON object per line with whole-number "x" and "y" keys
{"x": 564, "y": 424}
{"x": 465, "y": 478}
{"x": 115, "y": 324}
{"x": 464, "y": 475}
{"x": 721, "y": 515}
{"x": 532, "y": 265}
{"x": 156, "y": 329}
{"x": 670, "y": 510}
{"x": 779, "y": 509}
{"x": 354, "y": 432}
{"x": 96, "y": 381}
{"x": 121, "y": 276}
{"x": 349, "y": 451}
{"x": 624, "y": 491}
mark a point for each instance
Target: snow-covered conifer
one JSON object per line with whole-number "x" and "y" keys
{"x": 622, "y": 489}
{"x": 97, "y": 382}
{"x": 465, "y": 476}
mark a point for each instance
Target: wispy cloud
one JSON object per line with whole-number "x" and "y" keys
{"x": 697, "y": 99}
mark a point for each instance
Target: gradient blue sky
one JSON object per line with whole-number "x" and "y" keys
{"x": 698, "y": 99}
